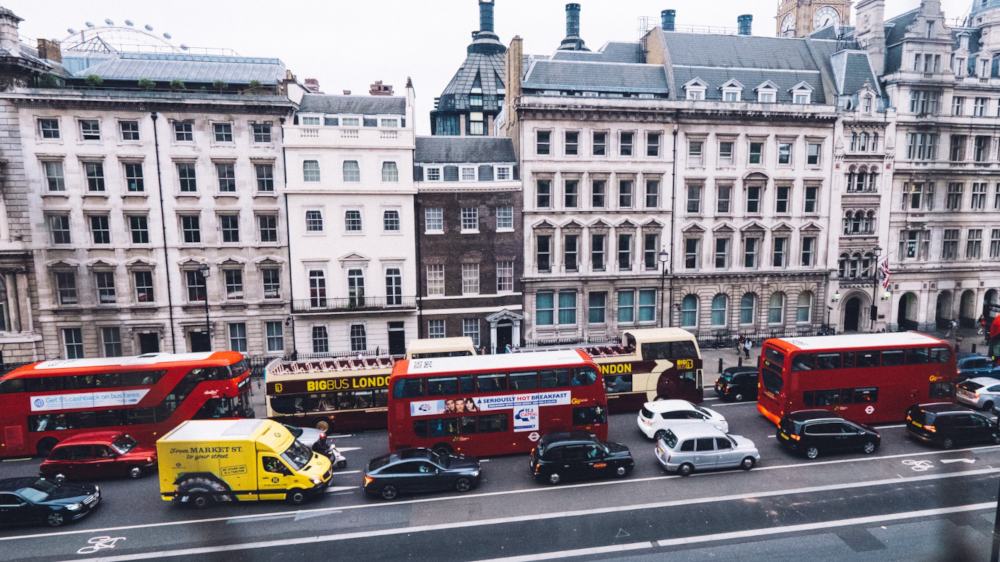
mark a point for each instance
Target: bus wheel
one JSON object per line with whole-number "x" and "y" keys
{"x": 201, "y": 501}
{"x": 554, "y": 478}
{"x": 660, "y": 434}
{"x": 812, "y": 453}
{"x": 296, "y": 497}
{"x": 442, "y": 449}
{"x": 463, "y": 485}
{"x": 45, "y": 446}
{"x": 322, "y": 424}
{"x": 685, "y": 469}
{"x": 389, "y": 492}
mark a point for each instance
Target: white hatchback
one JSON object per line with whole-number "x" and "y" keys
{"x": 656, "y": 418}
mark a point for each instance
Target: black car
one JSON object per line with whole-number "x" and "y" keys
{"x": 737, "y": 383}
{"x": 816, "y": 432}
{"x": 948, "y": 425}
{"x": 578, "y": 455}
{"x": 420, "y": 470}
{"x": 33, "y": 500}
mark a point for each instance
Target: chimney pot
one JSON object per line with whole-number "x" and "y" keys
{"x": 572, "y": 20}
{"x": 49, "y": 50}
{"x": 347, "y": 92}
{"x": 486, "y": 15}
{"x": 667, "y": 19}
{"x": 744, "y": 23}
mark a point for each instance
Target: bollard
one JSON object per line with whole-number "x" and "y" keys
{"x": 958, "y": 348}
{"x": 739, "y": 362}
{"x": 720, "y": 365}
{"x": 973, "y": 348}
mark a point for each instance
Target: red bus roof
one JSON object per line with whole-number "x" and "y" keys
{"x": 112, "y": 364}
{"x": 492, "y": 363}
{"x": 854, "y": 341}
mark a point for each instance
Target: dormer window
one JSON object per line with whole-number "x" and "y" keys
{"x": 802, "y": 94}
{"x": 311, "y": 121}
{"x": 732, "y": 91}
{"x": 767, "y": 92}
{"x": 963, "y": 42}
{"x": 696, "y": 89}
{"x": 866, "y": 104}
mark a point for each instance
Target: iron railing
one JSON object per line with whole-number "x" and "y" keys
{"x": 355, "y": 304}
{"x": 722, "y": 340}
{"x": 563, "y": 342}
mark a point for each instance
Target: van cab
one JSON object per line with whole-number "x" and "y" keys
{"x": 205, "y": 461}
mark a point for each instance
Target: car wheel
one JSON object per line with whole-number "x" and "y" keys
{"x": 201, "y": 501}
{"x": 660, "y": 434}
{"x": 812, "y": 453}
{"x": 685, "y": 469}
{"x": 342, "y": 464}
{"x": 748, "y": 463}
{"x": 322, "y": 424}
{"x": 996, "y": 439}
{"x": 442, "y": 449}
{"x": 738, "y": 397}
{"x": 868, "y": 448}
{"x": 45, "y": 446}
{"x": 554, "y": 478}
{"x": 988, "y": 405}
{"x": 621, "y": 472}
{"x": 947, "y": 443}
{"x": 297, "y": 497}
{"x": 389, "y": 492}
{"x": 55, "y": 519}
{"x": 463, "y": 485}
{"x": 135, "y": 472}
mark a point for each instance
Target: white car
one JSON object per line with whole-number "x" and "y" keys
{"x": 656, "y": 418}
{"x": 980, "y": 392}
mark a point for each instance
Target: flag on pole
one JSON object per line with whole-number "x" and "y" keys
{"x": 885, "y": 274}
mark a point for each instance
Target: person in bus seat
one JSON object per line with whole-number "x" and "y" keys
{"x": 325, "y": 404}
{"x": 363, "y": 401}
{"x": 60, "y": 422}
{"x": 43, "y": 422}
{"x": 347, "y": 401}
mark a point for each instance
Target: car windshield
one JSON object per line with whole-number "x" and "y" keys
{"x": 124, "y": 444}
{"x": 379, "y": 462}
{"x": 297, "y": 455}
{"x": 39, "y": 491}
{"x": 731, "y": 440}
{"x": 670, "y": 439}
{"x": 295, "y": 431}
{"x": 703, "y": 410}
{"x": 442, "y": 460}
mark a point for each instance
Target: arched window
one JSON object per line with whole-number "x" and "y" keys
{"x": 352, "y": 172}
{"x": 872, "y": 177}
{"x": 868, "y": 265}
{"x": 689, "y": 311}
{"x": 776, "y": 309}
{"x": 844, "y": 258}
{"x": 847, "y": 222}
{"x": 863, "y": 146}
{"x": 850, "y": 177}
{"x": 855, "y": 263}
{"x": 856, "y": 222}
{"x": 865, "y": 222}
{"x": 874, "y": 142}
{"x": 803, "y": 310}
{"x": 854, "y": 141}
{"x": 748, "y": 306}
{"x": 390, "y": 173}
{"x": 720, "y": 306}
{"x": 871, "y": 222}
{"x": 859, "y": 180}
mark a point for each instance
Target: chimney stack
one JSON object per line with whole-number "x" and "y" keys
{"x": 347, "y": 92}
{"x": 486, "y": 15}
{"x": 572, "y": 20}
{"x": 9, "y": 38}
{"x": 744, "y": 22}
{"x": 49, "y": 50}
{"x": 667, "y": 19}
{"x": 312, "y": 85}
{"x": 377, "y": 89}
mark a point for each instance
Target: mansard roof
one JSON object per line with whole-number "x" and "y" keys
{"x": 596, "y": 76}
{"x": 353, "y": 105}
{"x": 464, "y": 150}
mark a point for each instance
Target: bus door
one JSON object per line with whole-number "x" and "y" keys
{"x": 13, "y": 440}
{"x": 273, "y": 478}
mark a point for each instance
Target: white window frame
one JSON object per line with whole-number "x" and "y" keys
{"x": 506, "y": 172}
{"x": 470, "y": 279}
{"x": 435, "y": 280}
{"x": 434, "y": 169}
{"x": 468, "y": 215}
{"x": 505, "y": 211}
{"x": 463, "y": 169}
{"x": 439, "y": 218}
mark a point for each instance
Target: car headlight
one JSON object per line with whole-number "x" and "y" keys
{"x": 475, "y": 473}
{"x": 316, "y": 481}
{"x": 74, "y": 507}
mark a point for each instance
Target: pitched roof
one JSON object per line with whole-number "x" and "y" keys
{"x": 896, "y": 27}
{"x": 189, "y": 68}
{"x": 353, "y": 105}
{"x": 459, "y": 150}
{"x": 716, "y": 77}
{"x": 610, "y": 52}
{"x": 739, "y": 51}
{"x": 852, "y": 71}
{"x": 609, "y": 77}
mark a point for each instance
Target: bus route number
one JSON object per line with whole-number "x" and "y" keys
{"x": 685, "y": 364}
{"x": 278, "y": 387}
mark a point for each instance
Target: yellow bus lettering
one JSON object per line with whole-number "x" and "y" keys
{"x": 277, "y": 388}
{"x": 620, "y": 368}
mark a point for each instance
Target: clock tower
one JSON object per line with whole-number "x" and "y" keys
{"x": 798, "y": 18}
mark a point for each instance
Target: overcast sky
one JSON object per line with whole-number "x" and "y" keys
{"x": 347, "y": 45}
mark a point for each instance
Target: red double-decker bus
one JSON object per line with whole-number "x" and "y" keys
{"x": 494, "y": 405}
{"x": 145, "y": 396}
{"x": 866, "y": 378}
{"x": 994, "y": 350}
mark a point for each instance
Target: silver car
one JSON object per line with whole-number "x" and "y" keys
{"x": 687, "y": 448}
{"x": 980, "y": 392}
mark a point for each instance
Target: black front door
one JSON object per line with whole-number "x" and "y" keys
{"x": 397, "y": 338}
{"x": 149, "y": 343}
{"x": 852, "y": 313}
{"x": 505, "y": 337}
{"x": 200, "y": 342}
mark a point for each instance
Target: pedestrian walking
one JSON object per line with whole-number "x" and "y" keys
{"x": 739, "y": 344}
{"x": 952, "y": 329}
{"x": 747, "y": 346}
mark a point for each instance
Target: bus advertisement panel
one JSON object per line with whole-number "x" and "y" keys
{"x": 865, "y": 378}
{"x": 495, "y": 405}
{"x": 145, "y": 396}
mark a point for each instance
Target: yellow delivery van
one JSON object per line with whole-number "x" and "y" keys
{"x": 205, "y": 461}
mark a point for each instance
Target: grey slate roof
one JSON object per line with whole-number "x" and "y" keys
{"x": 490, "y": 69}
{"x": 856, "y": 72}
{"x": 189, "y": 68}
{"x": 464, "y": 150}
{"x": 610, "y": 52}
{"x": 739, "y": 51}
{"x": 716, "y": 77}
{"x": 897, "y": 31}
{"x": 353, "y": 105}
{"x": 598, "y": 77}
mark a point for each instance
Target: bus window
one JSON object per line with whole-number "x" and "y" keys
{"x": 892, "y": 358}
{"x": 804, "y": 362}
{"x": 491, "y": 383}
{"x": 321, "y": 402}
{"x": 494, "y": 423}
{"x": 772, "y": 381}
{"x": 286, "y": 404}
{"x": 774, "y": 356}
{"x": 917, "y": 356}
{"x": 846, "y": 396}
{"x": 408, "y": 388}
{"x": 618, "y": 383}
{"x": 381, "y": 397}
{"x": 865, "y": 395}
{"x": 827, "y": 361}
{"x": 827, "y": 397}
{"x": 587, "y": 416}
{"x": 583, "y": 376}
{"x": 867, "y": 359}
{"x": 420, "y": 428}
{"x": 942, "y": 390}
{"x": 442, "y": 386}
{"x": 683, "y": 349}
{"x": 940, "y": 354}
{"x": 848, "y": 359}
{"x": 555, "y": 378}
{"x": 688, "y": 379}
{"x": 524, "y": 381}
{"x": 808, "y": 398}
{"x": 468, "y": 384}
{"x": 468, "y": 425}
{"x": 443, "y": 427}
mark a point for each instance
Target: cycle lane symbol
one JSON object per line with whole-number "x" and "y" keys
{"x": 919, "y": 466}
{"x": 99, "y": 543}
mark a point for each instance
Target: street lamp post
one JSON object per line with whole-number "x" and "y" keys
{"x": 877, "y": 251}
{"x": 664, "y": 256}
{"x": 203, "y": 270}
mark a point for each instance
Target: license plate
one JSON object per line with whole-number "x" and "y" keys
{"x": 965, "y": 394}
{"x": 784, "y": 436}
{"x": 918, "y": 424}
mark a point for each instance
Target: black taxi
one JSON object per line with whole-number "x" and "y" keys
{"x": 578, "y": 455}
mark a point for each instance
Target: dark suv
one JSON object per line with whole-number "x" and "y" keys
{"x": 737, "y": 383}
{"x": 948, "y": 425}
{"x": 816, "y": 432}
{"x": 578, "y": 455}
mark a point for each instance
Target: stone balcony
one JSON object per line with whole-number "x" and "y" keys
{"x": 315, "y": 136}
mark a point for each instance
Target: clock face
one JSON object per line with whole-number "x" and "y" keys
{"x": 825, "y": 16}
{"x": 788, "y": 26}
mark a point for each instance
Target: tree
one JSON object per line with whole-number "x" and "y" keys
{"x": 256, "y": 88}
{"x": 146, "y": 84}
{"x": 220, "y": 84}
{"x": 94, "y": 81}
{"x": 48, "y": 81}
{"x": 177, "y": 84}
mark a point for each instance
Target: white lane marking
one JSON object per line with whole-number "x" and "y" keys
{"x": 949, "y": 461}
{"x": 889, "y": 426}
{"x": 97, "y": 543}
{"x": 346, "y": 449}
{"x": 336, "y": 436}
{"x": 532, "y": 490}
{"x": 347, "y": 472}
{"x": 708, "y": 399}
{"x": 827, "y": 524}
{"x": 574, "y": 553}
{"x": 333, "y": 489}
{"x": 546, "y": 516}
{"x": 919, "y": 466}
{"x": 734, "y": 404}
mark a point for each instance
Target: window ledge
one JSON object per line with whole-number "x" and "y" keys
{"x": 187, "y": 194}
{"x": 58, "y": 194}
{"x": 233, "y": 195}
{"x": 470, "y": 232}
{"x": 141, "y": 194}
{"x": 434, "y": 232}
{"x": 505, "y": 230}
{"x": 98, "y": 194}
{"x": 270, "y": 194}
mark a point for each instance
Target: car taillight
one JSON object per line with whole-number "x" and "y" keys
{"x": 368, "y": 480}
{"x": 930, "y": 428}
{"x": 149, "y": 459}
{"x": 795, "y": 437}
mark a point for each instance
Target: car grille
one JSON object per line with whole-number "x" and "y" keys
{"x": 90, "y": 500}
